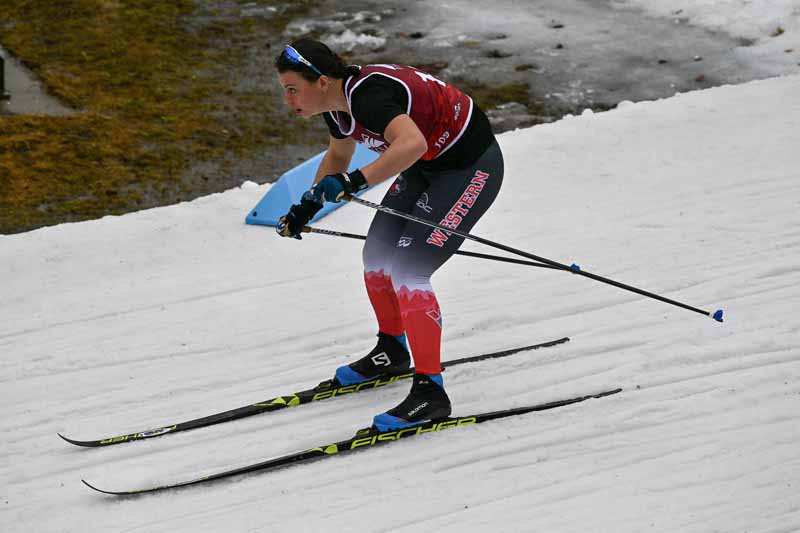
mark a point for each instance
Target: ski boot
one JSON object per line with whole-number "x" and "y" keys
{"x": 389, "y": 357}
{"x": 426, "y": 401}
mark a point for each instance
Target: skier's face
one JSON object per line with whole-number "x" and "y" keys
{"x": 303, "y": 97}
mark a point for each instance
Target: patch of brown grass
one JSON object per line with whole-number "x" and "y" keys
{"x": 147, "y": 105}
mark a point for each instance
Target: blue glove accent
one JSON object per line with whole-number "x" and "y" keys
{"x": 309, "y": 196}
{"x": 329, "y": 189}
{"x": 334, "y": 186}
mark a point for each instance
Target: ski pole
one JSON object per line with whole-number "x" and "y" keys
{"x": 309, "y": 229}
{"x": 574, "y": 269}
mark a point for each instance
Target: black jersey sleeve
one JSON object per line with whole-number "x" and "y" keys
{"x": 377, "y": 101}
{"x": 335, "y": 132}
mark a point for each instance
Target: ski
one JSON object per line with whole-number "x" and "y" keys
{"x": 365, "y": 438}
{"x": 326, "y": 389}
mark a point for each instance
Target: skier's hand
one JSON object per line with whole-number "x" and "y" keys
{"x": 331, "y": 188}
{"x": 291, "y": 224}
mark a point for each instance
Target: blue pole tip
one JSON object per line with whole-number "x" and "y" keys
{"x": 575, "y": 268}
{"x": 718, "y": 315}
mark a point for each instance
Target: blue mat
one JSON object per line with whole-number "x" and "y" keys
{"x": 291, "y": 186}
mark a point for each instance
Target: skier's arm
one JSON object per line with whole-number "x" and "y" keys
{"x": 407, "y": 146}
{"x": 337, "y": 158}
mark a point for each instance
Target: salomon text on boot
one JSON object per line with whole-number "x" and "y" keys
{"x": 426, "y": 401}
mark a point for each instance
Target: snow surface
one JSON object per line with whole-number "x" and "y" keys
{"x": 132, "y": 322}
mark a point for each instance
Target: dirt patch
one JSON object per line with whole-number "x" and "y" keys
{"x": 176, "y": 100}
{"x": 170, "y": 106}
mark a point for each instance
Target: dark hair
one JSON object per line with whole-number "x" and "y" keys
{"x": 319, "y": 55}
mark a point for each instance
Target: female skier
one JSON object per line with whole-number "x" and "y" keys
{"x": 450, "y": 170}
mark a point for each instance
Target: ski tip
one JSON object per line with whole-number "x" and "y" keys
{"x": 85, "y": 444}
{"x": 95, "y": 488}
{"x": 116, "y": 493}
{"x": 67, "y": 439}
{"x": 717, "y": 315}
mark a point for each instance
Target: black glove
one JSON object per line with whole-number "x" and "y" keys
{"x": 291, "y": 224}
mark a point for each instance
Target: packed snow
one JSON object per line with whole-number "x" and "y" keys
{"x": 133, "y": 322}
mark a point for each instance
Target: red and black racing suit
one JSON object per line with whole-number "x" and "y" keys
{"x": 453, "y": 184}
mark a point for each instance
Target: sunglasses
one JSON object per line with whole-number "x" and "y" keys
{"x": 294, "y": 57}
